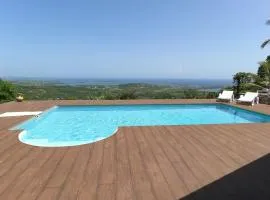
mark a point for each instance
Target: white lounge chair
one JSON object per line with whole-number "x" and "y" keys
{"x": 226, "y": 95}
{"x": 249, "y": 97}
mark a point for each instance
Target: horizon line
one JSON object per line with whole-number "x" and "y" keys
{"x": 112, "y": 78}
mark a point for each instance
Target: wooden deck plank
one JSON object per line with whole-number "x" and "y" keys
{"x": 106, "y": 191}
{"x": 7, "y": 142}
{"x": 204, "y": 161}
{"x": 39, "y": 181}
{"x": 11, "y": 163}
{"x": 75, "y": 179}
{"x": 107, "y": 177}
{"x": 232, "y": 150}
{"x": 213, "y": 145}
{"x": 160, "y": 185}
{"x": 262, "y": 128}
{"x": 184, "y": 163}
{"x": 217, "y": 162}
{"x": 4, "y": 134}
{"x": 11, "y": 152}
{"x": 141, "y": 182}
{"x": 89, "y": 186}
{"x": 177, "y": 185}
{"x": 229, "y": 142}
{"x": 253, "y": 137}
{"x": 17, "y": 186}
{"x": 108, "y": 169}
{"x": 48, "y": 194}
{"x": 247, "y": 139}
{"x": 244, "y": 142}
{"x": 16, "y": 168}
{"x": 124, "y": 188}
{"x": 213, "y": 140}
{"x": 62, "y": 170}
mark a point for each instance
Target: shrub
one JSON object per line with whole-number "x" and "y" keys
{"x": 6, "y": 91}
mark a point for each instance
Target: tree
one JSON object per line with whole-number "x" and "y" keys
{"x": 6, "y": 91}
{"x": 266, "y": 42}
{"x": 163, "y": 95}
{"x": 128, "y": 94}
{"x": 268, "y": 59}
{"x": 242, "y": 81}
{"x": 264, "y": 73}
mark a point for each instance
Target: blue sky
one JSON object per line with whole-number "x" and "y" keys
{"x": 132, "y": 39}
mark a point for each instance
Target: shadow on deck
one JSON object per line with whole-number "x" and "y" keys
{"x": 249, "y": 182}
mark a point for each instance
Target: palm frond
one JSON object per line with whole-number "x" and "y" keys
{"x": 266, "y": 42}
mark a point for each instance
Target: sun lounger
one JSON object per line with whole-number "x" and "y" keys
{"x": 249, "y": 97}
{"x": 226, "y": 95}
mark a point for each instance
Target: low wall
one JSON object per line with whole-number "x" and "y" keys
{"x": 264, "y": 98}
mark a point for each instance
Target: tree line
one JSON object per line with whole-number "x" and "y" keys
{"x": 129, "y": 91}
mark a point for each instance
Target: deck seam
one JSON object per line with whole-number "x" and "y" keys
{"x": 100, "y": 169}
{"x": 14, "y": 164}
{"x": 144, "y": 165}
{"x": 209, "y": 149}
{"x": 67, "y": 176}
{"x": 215, "y": 141}
{"x": 254, "y": 139}
{"x": 130, "y": 170}
{"x": 38, "y": 171}
{"x": 244, "y": 143}
{"x": 91, "y": 149}
{"x": 190, "y": 154}
{"x": 115, "y": 158}
{"x": 8, "y": 149}
{"x": 151, "y": 149}
{"x": 49, "y": 178}
{"x": 164, "y": 152}
{"x": 181, "y": 158}
{"x": 231, "y": 140}
{"x": 215, "y": 153}
{"x": 20, "y": 173}
{"x": 201, "y": 151}
{"x": 12, "y": 139}
{"x": 230, "y": 147}
{"x": 116, "y": 167}
{"x": 264, "y": 132}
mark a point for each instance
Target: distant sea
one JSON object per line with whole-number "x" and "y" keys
{"x": 192, "y": 83}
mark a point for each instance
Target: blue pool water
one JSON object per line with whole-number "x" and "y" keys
{"x": 75, "y": 125}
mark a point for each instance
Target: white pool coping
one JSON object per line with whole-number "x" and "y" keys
{"x": 19, "y": 114}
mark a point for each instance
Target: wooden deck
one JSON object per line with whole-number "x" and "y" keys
{"x": 162, "y": 162}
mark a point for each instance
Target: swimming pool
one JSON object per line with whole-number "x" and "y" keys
{"x": 76, "y": 125}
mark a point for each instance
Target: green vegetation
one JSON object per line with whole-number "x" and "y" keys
{"x": 6, "y": 91}
{"x": 243, "y": 81}
{"x": 123, "y": 91}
